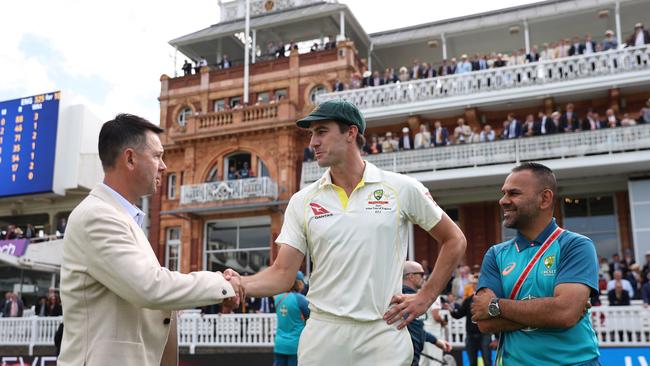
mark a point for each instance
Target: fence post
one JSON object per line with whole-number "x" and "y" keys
{"x": 195, "y": 331}
{"x": 32, "y": 338}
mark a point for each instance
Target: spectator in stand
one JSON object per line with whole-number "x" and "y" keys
{"x": 338, "y": 86}
{"x": 503, "y": 135}
{"x": 232, "y": 172}
{"x": 618, "y": 278}
{"x": 404, "y": 74}
{"x": 627, "y": 121}
{"x": 416, "y": 70}
{"x": 604, "y": 271}
{"x": 645, "y": 290}
{"x": 10, "y": 233}
{"x": 270, "y": 50}
{"x": 440, "y": 135}
{"x": 331, "y": 44}
{"x": 644, "y": 115}
{"x": 376, "y": 80}
{"x": 577, "y": 48}
{"x": 589, "y": 46}
{"x": 639, "y": 38}
{"x": 30, "y": 232}
{"x": 500, "y": 62}
{"x": 476, "y": 65}
{"x": 459, "y": 282}
{"x": 563, "y": 48}
{"x": 373, "y": 146}
{"x": 187, "y": 68}
{"x": 54, "y": 305}
{"x": 280, "y": 50}
{"x": 461, "y": 132}
{"x": 41, "y": 307}
{"x": 611, "y": 119}
{"x": 618, "y": 296}
{"x": 314, "y": 47}
{"x": 590, "y": 122}
{"x": 464, "y": 66}
{"x": 443, "y": 70}
{"x": 615, "y": 264}
{"x": 63, "y": 224}
{"x": 514, "y": 127}
{"x": 308, "y": 154}
{"x": 475, "y": 136}
{"x": 634, "y": 275}
{"x": 225, "y": 62}
{"x": 610, "y": 42}
{"x": 487, "y": 135}
{"x": 529, "y": 126}
{"x": 202, "y": 63}
{"x": 569, "y": 121}
{"x": 245, "y": 171}
{"x": 546, "y": 54}
{"x": 429, "y": 71}
{"x": 451, "y": 69}
{"x": 406, "y": 140}
{"x": 519, "y": 57}
{"x": 646, "y": 267}
{"x": 544, "y": 124}
{"x": 387, "y": 144}
{"x": 389, "y": 76}
{"x": 13, "y": 307}
{"x": 533, "y": 55}
{"x": 423, "y": 138}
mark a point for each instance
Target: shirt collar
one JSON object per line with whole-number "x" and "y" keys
{"x": 371, "y": 174}
{"x": 133, "y": 210}
{"x": 522, "y": 243}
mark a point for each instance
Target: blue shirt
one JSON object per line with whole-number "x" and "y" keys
{"x": 292, "y": 309}
{"x": 571, "y": 258}
{"x": 131, "y": 209}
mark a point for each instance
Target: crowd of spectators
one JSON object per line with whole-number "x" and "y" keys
{"x": 14, "y": 306}
{"x": 623, "y": 279}
{"x": 29, "y": 231}
{"x": 549, "y": 51}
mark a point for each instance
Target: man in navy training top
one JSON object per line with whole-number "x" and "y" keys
{"x": 534, "y": 289}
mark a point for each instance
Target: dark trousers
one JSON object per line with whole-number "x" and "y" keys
{"x": 285, "y": 360}
{"x": 476, "y": 342}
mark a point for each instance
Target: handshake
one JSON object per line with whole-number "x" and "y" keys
{"x": 234, "y": 278}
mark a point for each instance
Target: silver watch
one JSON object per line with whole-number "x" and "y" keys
{"x": 493, "y": 308}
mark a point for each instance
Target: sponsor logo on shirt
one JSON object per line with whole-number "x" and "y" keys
{"x": 319, "y": 211}
{"x": 548, "y": 263}
{"x": 509, "y": 268}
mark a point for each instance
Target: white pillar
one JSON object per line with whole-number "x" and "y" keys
{"x": 175, "y": 61}
{"x": 411, "y": 253}
{"x": 526, "y": 36}
{"x": 444, "y": 46}
{"x": 370, "y": 56}
{"x": 247, "y": 29}
{"x": 254, "y": 47}
{"x": 341, "y": 26}
{"x": 619, "y": 36}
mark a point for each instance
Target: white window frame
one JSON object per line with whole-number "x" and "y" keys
{"x": 171, "y": 186}
{"x": 182, "y": 116}
{"x": 316, "y": 91}
{"x": 173, "y": 241}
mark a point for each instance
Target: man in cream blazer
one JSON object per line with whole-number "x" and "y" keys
{"x": 118, "y": 301}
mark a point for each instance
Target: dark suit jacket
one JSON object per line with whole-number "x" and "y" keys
{"x": 518, "y": 130}
{"x": 445, "y": 135}
{"x": 532, "y": 57}
{"x": 401, "y": 142}
{"x": 572, "y": 124}
{"x": 623, "y": 301}
{"x": 549, "y": 126}
{"x": 573, "y": 50}
{"x": 429, "y": 73}
{"x": 338, "y": 86}
{"x": 371, "y": 81}
{"x": 225, "y": 64}
{"x": 7, "y": 310}
{"x": 586, "y": 125}
{"x": 632, "y": 39}
{"x": 524, "y": 129}
{"x": 420, "y": 71}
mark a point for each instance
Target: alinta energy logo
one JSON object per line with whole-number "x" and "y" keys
{"x": 319, "y": 211}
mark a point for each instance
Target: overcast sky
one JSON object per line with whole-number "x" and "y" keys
{"x": 109, "y": 55}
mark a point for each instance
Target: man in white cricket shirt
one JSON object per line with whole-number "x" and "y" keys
{"x": 353, "y": 222}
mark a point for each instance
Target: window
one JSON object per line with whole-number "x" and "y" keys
{"x": 173, "y": 249}
{"x": 219, "y": 105}
{"x": 240, "y": 244}
{"x": 234, "y": 101}
{"x": 237, "y": 166}
{"x": 316, "y": 91}
{"x": 183, "y": 115}
{"x": 263, "y": 97}
{"x": 171, "y": 186}
{"x": 594, "y": 217}
{"x": 281, "y": 94}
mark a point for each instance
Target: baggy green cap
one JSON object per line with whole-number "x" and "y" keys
{"x": 336, "y": 110}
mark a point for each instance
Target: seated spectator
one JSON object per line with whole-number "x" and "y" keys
{"x": 610, "y": 42}
{"x": 487, "y": 135}
{"x": 639, "y": 38}
{"x": 308, "y": 154}
{"x": 232, "y": 172}
{"x": 245, "y": 171}
{"x": 225, "y": 62}
{"x": 387, "y": 144}
{"x": 440, "y": 135}
{"x": 618, "y": 296}
{"x": 423, "y": 138}
{"x": 187, "y": 68}
{"x": 406, "y": 140}
{"x": 618, "y": 278}
{"x": 462, "y": 132}
{"x": 611, "y": 119}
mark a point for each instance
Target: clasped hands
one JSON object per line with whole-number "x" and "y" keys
{"x": 234, "y": 279}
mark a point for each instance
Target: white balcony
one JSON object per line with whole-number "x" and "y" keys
{"x": 586, "y": 145}
{"x": 603, "y": 70}
{"x": 229, "y": 190}
{"x": 617, "y": 326}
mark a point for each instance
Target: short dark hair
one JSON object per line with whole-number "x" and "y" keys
{"x": 544, "y": 175}
{"x": 361, "y": 140}
{"x": 125, "y": 130}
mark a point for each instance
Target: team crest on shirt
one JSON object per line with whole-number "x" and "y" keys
{"x": 548, "y": 263}
{"x": 379, "y": 200}
{"x": 378, "y": 194}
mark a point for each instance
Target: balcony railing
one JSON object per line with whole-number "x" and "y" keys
{"x": 616, "y": 326}
{"x": 605, "y": 141}
{"x": 229, "y": 190}
{"x": 510, "y": 77}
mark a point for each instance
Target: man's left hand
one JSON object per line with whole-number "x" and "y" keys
{"x": 407, "y": 307}
{"x": 480, "y": 303}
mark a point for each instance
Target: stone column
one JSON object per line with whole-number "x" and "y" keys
{"x": 614, "y": 99}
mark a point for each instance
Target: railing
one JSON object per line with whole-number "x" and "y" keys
{"x": 229, "y": 190}
{"x": 260, "y": 112}
{"x": 605, "y": 141}
{"x": 615, "y": 326}
{"x": 539, "y": 73}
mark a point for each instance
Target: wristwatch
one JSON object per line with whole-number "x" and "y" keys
{"x": 493, "y": 308}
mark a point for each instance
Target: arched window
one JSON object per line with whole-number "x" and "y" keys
{"x": 316, "y": 91}
{"x": 183, "y": 115}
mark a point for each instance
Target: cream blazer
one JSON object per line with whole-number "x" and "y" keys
{"x": 117, "y": 299}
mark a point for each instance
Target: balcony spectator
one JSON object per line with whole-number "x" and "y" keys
{"x": 429, "y": 71}
{"x": 187, "y": 68}
{"x": 569, "y": 121}
{"x": 518, "y": 57}
{"x": 355, "y": 81}
{"x": 528, "y": 130}
{"x": 611, "y": 120}
{"x": 451, "y": 69}
{"x": 338, "y": 85}
{"x": 499, "y": 61}
{"x": 308, "y": 154}
{"x": 464, "y": 66}
{"x": 202, "y": 63}
{"x": 443, "y": 70}
{"x": 270, "y": 50}
{"x": 13, "y": 306}
{"x": 626, "y": 121}
{"x": 232, "y": 172}
{"x": 462, "y": 132}
{"x": 610, "y": 42}
{"x": 615, "y": 265}
{"x": 60, "y": 228}
{"x": 545, "y": 124}
{"x": 514, "y": 127}
{"x": 331, "y": 44}
{"x": 563, "y": 48}
{"x": 488, "y": 134}
{"x": 645, "y": 290}
{"x": 644, "y": 115}
{"x": 10, "y": 233}
{"x": 440, "y": 135}
{"x": 389, "y": 76}
{"x": 533, "y": 55}
{"x": 640, "y": 36}
{"x": 416, "y": 70}
{"x": 618, "y": 278}
{"x": 590, "y": 122}
{"x": 475, "y": 136}
{"x": 589, "y": 46}
{"x": 376, "y": 80}
{"x": 503, "y": 135}
{"x": 19, "y": 233}
{"x": 646, "y": 267}
{"x": 387, "y": 143}
{"x": 618, "y": 296}
{"x": 280, "y": 50}
{"x": 373, "y": 145}
{"x": 476, "y": 62}
{"x": 577, "y": 47}
{"x": 406, "y": 140}
{"x": 30, "y": 232}
{"x": 604, "y": 271}
{"x": 54, "y": 306}
{"x": 41, "y": 306}
{"x": 314, "y": 47}
{"x": 367, "y": 75}
{"x": 245, "y": 171}
{"x": 546, "y": 54}
{"x": 225, "y": 62}
{"x": 404, "y": 74}
{"x": 423, "y": 138}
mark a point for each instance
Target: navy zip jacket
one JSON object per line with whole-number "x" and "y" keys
{"x": 418, "y": 334}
